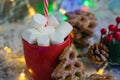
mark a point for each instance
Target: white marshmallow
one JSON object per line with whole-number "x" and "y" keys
{"x": 43, "y": 40}
{"x": 31, "y": 35}
{"x": 52, "y": 21}
{"x": 65, "y": 28}
{"x": 56, "y": 38}
{"x": 48, "y": 30}
{"x": 38, "y": 21}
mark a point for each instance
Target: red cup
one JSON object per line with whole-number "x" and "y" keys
{"x": 41, "y": 61}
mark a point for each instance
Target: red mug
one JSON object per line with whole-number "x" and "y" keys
{"x": 41, "y": 61}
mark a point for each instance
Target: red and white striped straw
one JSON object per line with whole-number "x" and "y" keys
{"x": 46, "y": 10}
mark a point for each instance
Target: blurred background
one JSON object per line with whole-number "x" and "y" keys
{"x": 15, "y": 16}
{"x": 18, "y": 10}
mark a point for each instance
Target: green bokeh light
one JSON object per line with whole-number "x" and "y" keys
{"x": 40, "y": 8}
{"x": 50, "y": 8}
{"x": 65, "y": 18}
{"x": 89, "y": 3}
{"x": 86, "y": 3}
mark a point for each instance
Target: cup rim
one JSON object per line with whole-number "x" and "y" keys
{"x": 33, "y": 45}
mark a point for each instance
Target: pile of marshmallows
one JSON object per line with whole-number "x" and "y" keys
{"x": 52, "y": 34}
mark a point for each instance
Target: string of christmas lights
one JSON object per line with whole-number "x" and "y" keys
{"x": 12, "y": 63}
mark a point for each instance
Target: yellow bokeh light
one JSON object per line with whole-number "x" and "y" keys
{"x": 21, "y": 59}
{"x": 22, "y": 75}
{"x": 12, "y": 0}
{"x": 31, "y": 71}
{"x": 31, "y": 10}
{"x": 100, "y": 71}
{"x": 72, "y": 35}
{"x": 63, "y": 11}
{"x": 7, "y": 49}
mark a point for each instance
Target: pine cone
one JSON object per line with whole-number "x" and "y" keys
{"x": 98, "y": 53}
{"x": 83, "y": 24}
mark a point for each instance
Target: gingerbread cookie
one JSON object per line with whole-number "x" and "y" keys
{"x": 70, "y": 68}
{"x": 83, "y": 24}
{"x": 101, "y": 77}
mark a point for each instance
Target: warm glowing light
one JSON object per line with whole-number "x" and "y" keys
{"x": 30, "y": 71}
{"x": 31, "y": 10}
{"x": 72, "y": 35}
{"x": 61, "y": 10}
{"x": 11, "y": 0}
{"x": 21, "y": 59}
{"x": 22, "y": 76}
{"x": 100, "y": 71}
{"x": 7, "y": 49}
